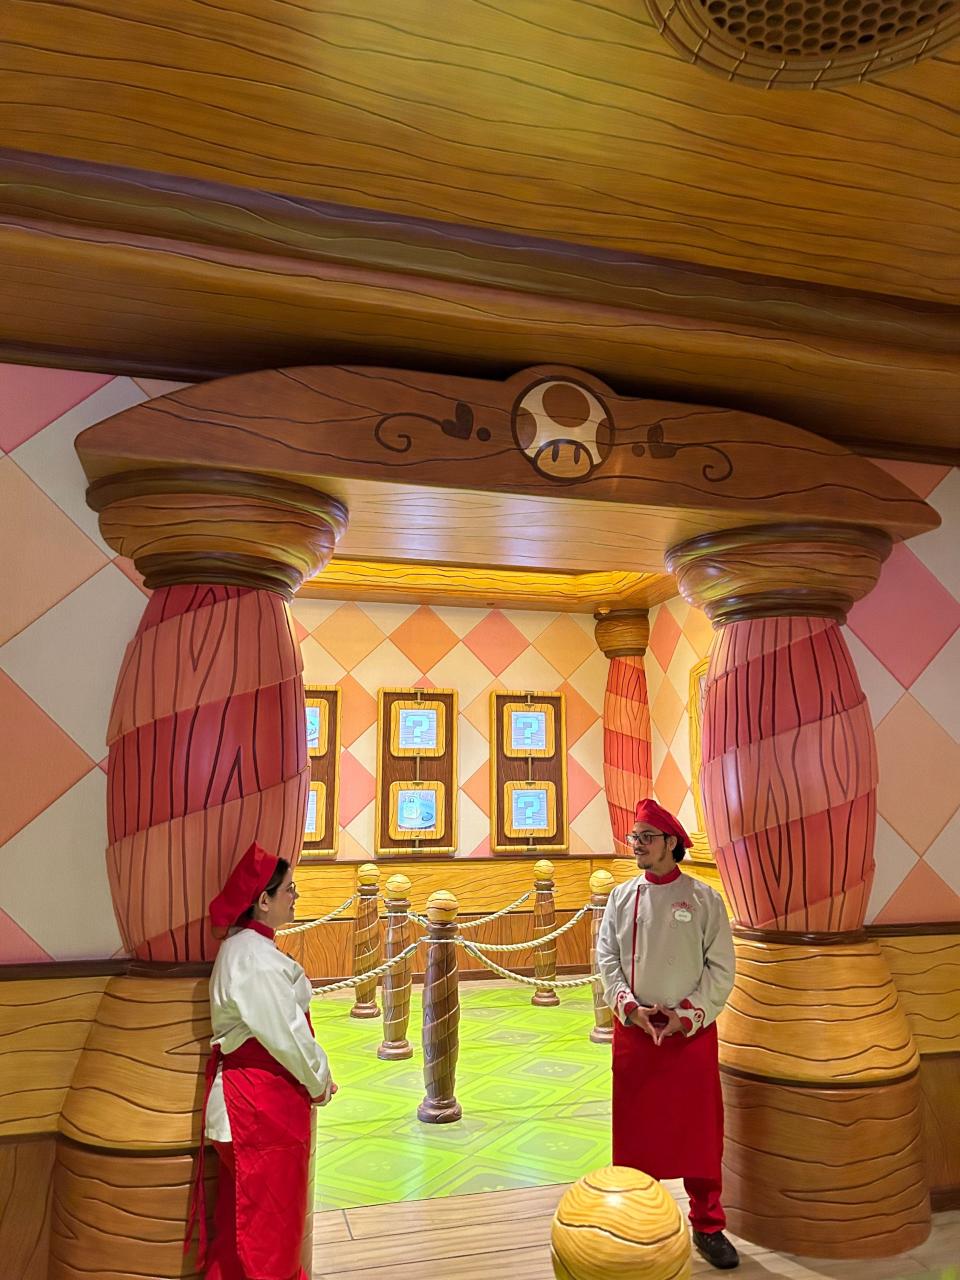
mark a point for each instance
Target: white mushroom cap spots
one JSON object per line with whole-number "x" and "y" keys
{"x": 563, "y": 428}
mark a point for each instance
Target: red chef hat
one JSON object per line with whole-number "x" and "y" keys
{"x": 245, "y": 883}
{"x": 657, "y": 816}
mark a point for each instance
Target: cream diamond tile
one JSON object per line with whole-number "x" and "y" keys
{"x": 159, "y": 387}
{"x": 68, "y": 660}
{"x": 463, "y": 671}
{"x": 895, "y": 860}
{"x": 531, "y": 672}
{"x": 588, "y": 751}
{"x": 592, "y": 825}
{"x": 311, "y": 613}
{"x": 531, "y": 622}
{"x": 459, "y": 620}
{"x": 565, "y": 644}
{"x": 687, "y": 813}
{"x": 361, "y": 828}
{"x": 386, "y": 616}
{"x": 680, "y": 744}
{"x": 882, "y": 689}
{"x": 472, "y": 824}
{"x": 679, "y": 608}
{"x": 938, "y": 689}
{"x": 385, "y": 668}
{"x": 590, "y": 679}
{"x": 46, "y": 554}
{"x": 55, "y": 875}
{"x": 938, "y": 548}
{"x": 51, "y": 461}
{"x": 681, "y": 664}
{"x": 944, "y": 854}
{"x": 473, "y": 748}
{"x": 319, "y": 666}
{"x": 348, "y": 634}
{"x": 364, "y": 749}
{"x": 659, "y": 748}
{"x": 654, "y": 673}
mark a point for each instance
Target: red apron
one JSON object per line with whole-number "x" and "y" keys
{"x": 667, "y": 1103}
{"x": 269, "y": 1112}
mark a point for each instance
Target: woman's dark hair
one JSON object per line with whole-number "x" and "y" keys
{"x": 276, "y": 880}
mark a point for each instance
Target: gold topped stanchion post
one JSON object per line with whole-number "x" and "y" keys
{"x": 544, "y": 921}
{"x": 601, "y": 882}
{"x": 441, "y": 1013}
{"x": 397, "y": 982}
{"x": 366, "y": 940}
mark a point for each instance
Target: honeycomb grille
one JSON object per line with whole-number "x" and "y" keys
{"x": 797, "y": 44}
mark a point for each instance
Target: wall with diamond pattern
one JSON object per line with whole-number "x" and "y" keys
{"x": 905, "y": 641}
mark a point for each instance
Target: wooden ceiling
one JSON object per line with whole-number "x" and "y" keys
{"x": 191, "y": 188}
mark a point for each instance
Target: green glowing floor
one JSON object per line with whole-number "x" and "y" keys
{"x": 535, "y": 1095}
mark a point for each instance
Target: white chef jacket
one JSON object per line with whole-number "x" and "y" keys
{"x": 666, "y": 944}
{"x": 256, "y": 990}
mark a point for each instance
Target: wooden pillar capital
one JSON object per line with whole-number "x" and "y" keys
{"x": 190, "y": 525}
{"x": 623, "y": 633}
{"x": 768, "y": 571}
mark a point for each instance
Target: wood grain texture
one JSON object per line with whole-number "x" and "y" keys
{"x": 398, "y": 981}
{"x": 441, "y": 1014}
{"x": 619, "y": 1222}
{"x": 138, "y": 1085}
{"x": 122, "y": 1217}
{"x": 428, "y": 481}
{"x": 627, "y": 745}
{"x": 605, "y": 138}
{"x": 191, "y": 787}
{"x": 544, "y": 921}
{"x": 825, "y": 1173}
{"x": 785, "y": 990}
{"x": 26, "y": 1172}
{"x": 486, "y": 588}
{"x": 44, "y": 1025}
{"x": 926, "y": 972}
{"x": 601, "y": 882}
{"x": 939, "y": 1077}
{"x": 367, "y": 949}
{"x": 789, "y": 775}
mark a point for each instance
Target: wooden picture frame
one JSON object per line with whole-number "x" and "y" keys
{"x": 411, "y": 766}
{"x": 324, "y": 756}
{"x": 538, "y": 767}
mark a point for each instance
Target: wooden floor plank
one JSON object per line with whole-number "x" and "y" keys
{"x": 448, "y": 1211}
{"x": 427, "y": 1246}
{"x": 532, "y": 1263}
{"x": 330, "y": 1226}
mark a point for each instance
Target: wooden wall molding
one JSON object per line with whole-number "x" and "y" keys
{"x": 223, "y": 279}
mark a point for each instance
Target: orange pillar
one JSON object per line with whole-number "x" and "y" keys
{"x": 627, "y": 753}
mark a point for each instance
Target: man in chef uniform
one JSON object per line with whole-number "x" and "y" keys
{"x": 665, "y": 956}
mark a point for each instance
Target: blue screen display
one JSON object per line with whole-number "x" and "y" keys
{"x": 529, "y": 810}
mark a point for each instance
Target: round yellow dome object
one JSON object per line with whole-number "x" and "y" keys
{"x": 601, "y": 882}
{"x": 368, "y": 873}
{"x": 442, "y": 907}
{"x": 619, "y": 1222}
{"x": 398, "y": 886}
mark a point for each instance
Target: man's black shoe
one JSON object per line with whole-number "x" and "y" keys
{"x": 717, "y": 1249}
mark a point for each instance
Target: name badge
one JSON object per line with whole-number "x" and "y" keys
{"x": 682, "y": 915}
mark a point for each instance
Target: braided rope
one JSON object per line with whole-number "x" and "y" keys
{"x": 561, "y": 984}
{"x": 537, "y": 942}
{"x": 312, "y": 924}
{"x": 355, "y": 981}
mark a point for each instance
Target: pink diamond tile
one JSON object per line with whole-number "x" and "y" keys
{"x": 938, "y": 548}
{"x": 580, "y": 715}
{"x": 358, "y": 710}
{"x": 299, "y": 630}
{"x": 357, "y": 787}
{"x": 894, "y": 862}
{"x": 920, "y": 477}
{"x": 17, "y": 946}
{"x": 919, "y": 768}
{"x": 496, "y": 642}
{"x": 944, "y": 854}
{"x": 130, "y": 570}
{"x": 938, "y": 689}
{"x": 664, "y": 635}
{"x": 424, "y": 682}
{"x": 907, "y": 618}
{"x": 581, "y": 788}
{"x": 38, "y": 761}
{"x": 482, "y": 850}
{"x": 424, "y": 638}
{"x": 922, "y": 898}
{"x": 670, "y": 786}
{"x": 477, "y": 787}
{"x": 32, "y": 398}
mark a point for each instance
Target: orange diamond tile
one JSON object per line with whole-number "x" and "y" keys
{"x": 565, "y": 645}
{"x": 664, "y": 635}
{"x": 496, "y": 642}
{"x": 358, "y": 710}
{"x": 424, "y": 638}
{"x": 357, "y": 787}
{"x": 699, "y": 631}
{"x": 670, "y": 787}
{"x": 38, "y": 761}
{"x": 666, "y": 711}
{"x": 46, "y": 555}
{"x": 923, "y": 897}
{"x": 580, "y": 715}
{"x": 919, "y": 768}
{"x": 348, "y": 635}
{"x": 581, "y": 788}
{"x": 477, "y": 787}
{"x": 17, "y": 946}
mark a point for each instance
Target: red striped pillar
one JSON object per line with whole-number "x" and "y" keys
{"x": 627, "y": 751}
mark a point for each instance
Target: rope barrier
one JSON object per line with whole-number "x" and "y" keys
{"x": 537, "y": 942}
{"x": 312, "y": 924}
{"x": 554, "y": 984}
{"x": 372, "y": 973}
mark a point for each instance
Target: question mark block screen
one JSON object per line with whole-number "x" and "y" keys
{"x": 416, "y": 810}
{"x": 417, "y": 728}
{"x": 318, "y": 726}
{"x": 530, "y": 809}
{"x": 316, "y": 812}
{"x": 528, "y": 729}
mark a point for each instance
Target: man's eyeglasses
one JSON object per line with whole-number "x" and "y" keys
{"x": 645, "y": 838}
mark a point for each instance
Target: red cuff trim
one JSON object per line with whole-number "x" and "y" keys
{"x": 629, "y": 1007}
{"x": 687, "y": 1025}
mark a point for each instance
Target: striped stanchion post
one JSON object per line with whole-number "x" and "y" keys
{"x": 398, "y": 982}
{"x": 441, "y": 1013}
